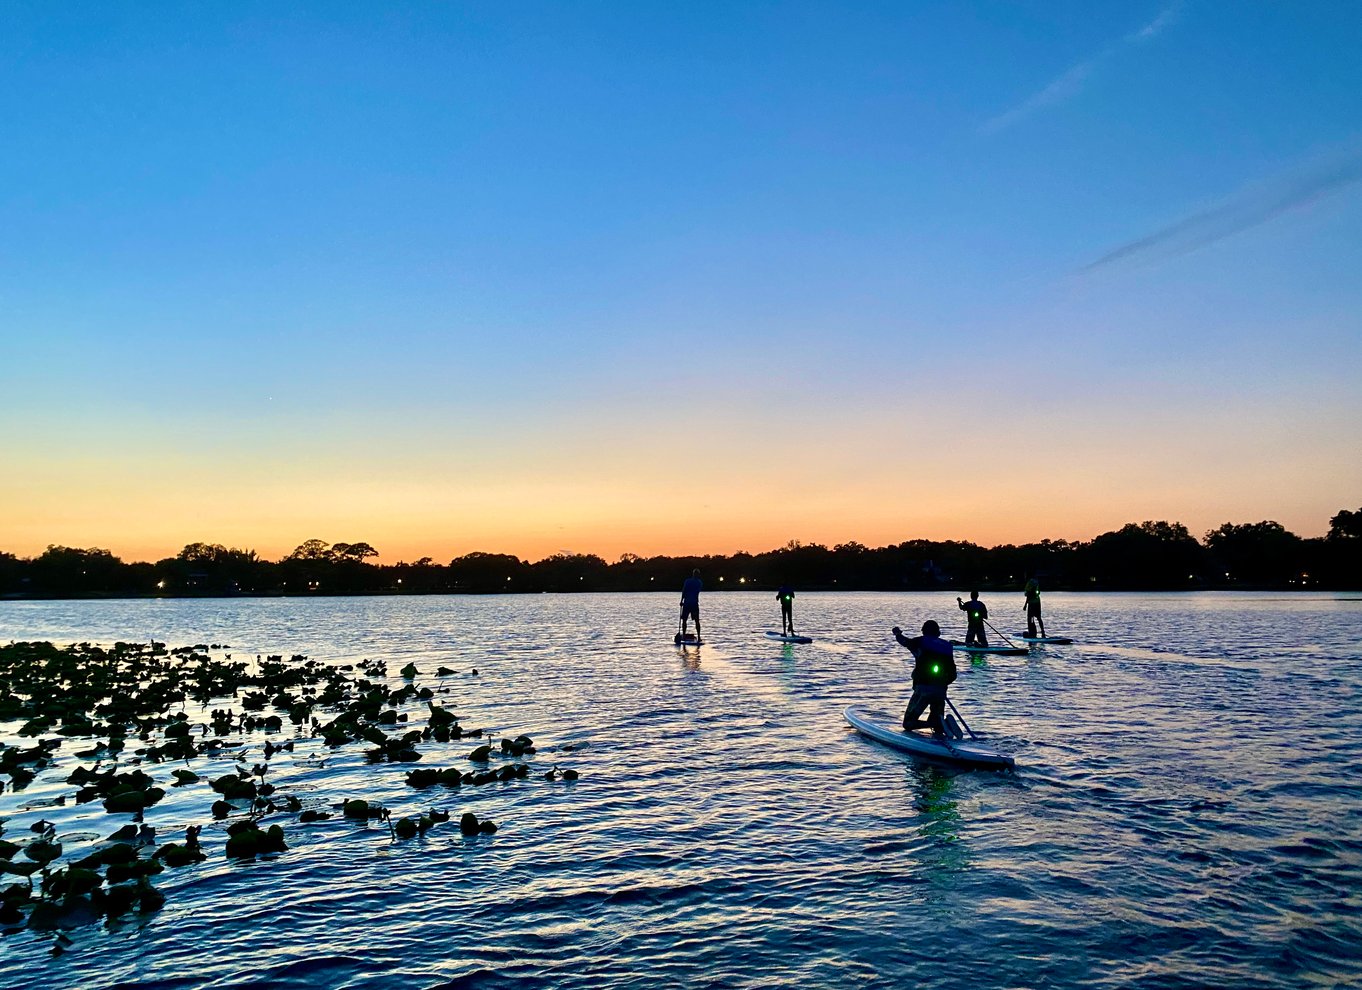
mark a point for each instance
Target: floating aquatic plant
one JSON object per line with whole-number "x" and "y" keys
{"x": 130, "y": 703}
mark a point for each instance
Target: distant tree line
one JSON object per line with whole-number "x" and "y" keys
{"x": 1138, "y": 556}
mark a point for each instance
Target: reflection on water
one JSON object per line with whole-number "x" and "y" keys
{"x": 730, "y": 830}
{"x": 932, "y": 786}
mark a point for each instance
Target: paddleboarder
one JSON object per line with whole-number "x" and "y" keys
{"x": 1032, "y": 606}
{"x": 786, "y": 598}
{"x": 690, "y": 604}
{"x": 976, "y": 612}
{"x": 932, "y": 674}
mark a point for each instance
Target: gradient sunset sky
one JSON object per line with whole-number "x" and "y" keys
{"x": 664, "y": 278}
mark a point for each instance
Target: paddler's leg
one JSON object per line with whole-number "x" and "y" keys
{"x": 915, "y": 706}
{"x": 936, "y": 720}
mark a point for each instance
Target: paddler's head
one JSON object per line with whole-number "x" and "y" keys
{"x": 930, "y": 628}
{"x": 974, "y": 596}
{"x": 695, "y": 573}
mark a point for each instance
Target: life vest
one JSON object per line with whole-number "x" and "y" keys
{"x": 935, "y": 666}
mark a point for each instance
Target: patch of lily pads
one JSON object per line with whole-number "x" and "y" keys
{"x": 121, "y": 714}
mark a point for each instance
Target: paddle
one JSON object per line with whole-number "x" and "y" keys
{"x": 961, "y": 717}
{"x": 1002, "y": 637}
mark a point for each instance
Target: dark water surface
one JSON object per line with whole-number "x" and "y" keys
{"x": 1186, "y": 811}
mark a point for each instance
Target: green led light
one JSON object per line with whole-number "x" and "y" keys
{"x": 936, "y": 668}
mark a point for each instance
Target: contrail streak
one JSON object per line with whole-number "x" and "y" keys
{"x": 1070, "y": 82}
{"x": 1250, "y": 207}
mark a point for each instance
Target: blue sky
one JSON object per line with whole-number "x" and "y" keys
{"x": 561, "y": 256}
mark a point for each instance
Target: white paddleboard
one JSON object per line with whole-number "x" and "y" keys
{"x": 788, "y": 639}
{"x": 1057, "y": 640}
{"x": 999, "y": 651}
{"x": 948, "y": 750}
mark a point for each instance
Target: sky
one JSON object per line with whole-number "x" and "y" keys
{"x": 674, "y": 278}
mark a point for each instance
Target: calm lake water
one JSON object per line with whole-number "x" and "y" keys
{"x": 1186, "y": 809}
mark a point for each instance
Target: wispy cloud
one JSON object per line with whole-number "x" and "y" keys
{"x": 1155, "y": 27}
{"x": 1250, "y": 207}
{"x": 1070, "y": 82}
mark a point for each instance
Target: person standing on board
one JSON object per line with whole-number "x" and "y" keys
{"x": 977, "y": 612}
{"x": 932, "y": 674}
{"x": 690, "y": 604}
{"x": 786, "y": 598}
{"x": 1032, "y": 606}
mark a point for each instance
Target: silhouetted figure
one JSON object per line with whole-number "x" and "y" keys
{"x": 690, "y": 604}
{"x": 786, "y": 598}
{"x": 932, "y": 673}
{"x": 976, "y": 612}
{"x": 1032, "y": 606}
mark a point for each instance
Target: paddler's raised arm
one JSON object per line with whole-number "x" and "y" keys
{"x": 909, "y": 644}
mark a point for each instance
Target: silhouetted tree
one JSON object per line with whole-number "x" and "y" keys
{"x": 423, "y": 577}
{"x": 352, "y": 551}
{"x": 1347, "y": 525}
{"x": 569, "y": 572}
{"x": 62, "y": 572}
{"x": 12, "y": 573}
{"x": 212, "y": 569}
{"x": 1146, "y": 555}
{"x": 1263, "y": 553}
{"x": 1337, "y": 559}
{"x": 489, "y": 572}
{"x": 310, "y": 550}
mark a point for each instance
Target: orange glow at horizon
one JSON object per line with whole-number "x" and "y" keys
{"x": 604, "y": 484}
{"x": 533, "y": 520}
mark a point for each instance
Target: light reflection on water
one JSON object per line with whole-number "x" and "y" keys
{"x": 1186, "y": 811}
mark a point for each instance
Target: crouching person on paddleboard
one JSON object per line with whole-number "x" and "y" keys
{"x": 932, "y": 674}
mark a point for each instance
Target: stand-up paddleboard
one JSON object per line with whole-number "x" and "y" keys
{"x": 690, "y": 639}
{"x": 1056, "y": 640}
{"x": 947, "y": 750}
{"x": 997, "y": 651}
{"x": 788, "y": 639}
